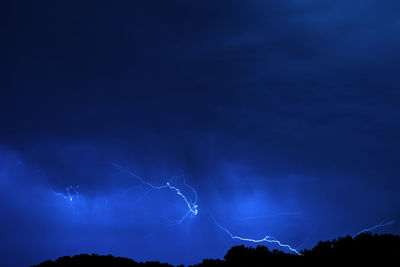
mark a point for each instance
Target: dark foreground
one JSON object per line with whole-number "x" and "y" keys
{"x": 361, "y": 250}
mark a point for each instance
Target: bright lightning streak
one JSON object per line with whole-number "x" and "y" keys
{"x": 379, "y": 225}
{"x": 70, "y": 194}
{"x": 268, "y": 239}
{"x": 192, "y": 206}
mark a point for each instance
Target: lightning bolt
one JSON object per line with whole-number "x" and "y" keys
{"x": 193, "y": 209}
{"x": 191, "y": 205}
{"x": 379, "y": 225}
{"x": 267, "y": 239}
{"x": 71, "y": 193}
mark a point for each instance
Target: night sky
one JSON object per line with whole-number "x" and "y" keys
{"x": 283, "y": 116}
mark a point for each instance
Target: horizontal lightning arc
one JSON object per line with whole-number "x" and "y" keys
{"x": 379, "y": 225}
{"x": 267, "y": 239}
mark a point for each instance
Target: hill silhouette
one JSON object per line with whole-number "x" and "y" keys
{"x": 362, "y": 249}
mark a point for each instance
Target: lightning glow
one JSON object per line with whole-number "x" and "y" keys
{"x": 379, "y": 225}
{"x": 267, "y": 239}
{"x": 71, "y": 193}
{"x": 249, "y": 218}
{"x": 191, "y": 205}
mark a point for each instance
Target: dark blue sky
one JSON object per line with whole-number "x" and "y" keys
{"x": 285, "y": 118}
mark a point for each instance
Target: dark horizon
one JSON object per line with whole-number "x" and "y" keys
{"x": 274, "y": 119}
{"x": 364, "y": 248}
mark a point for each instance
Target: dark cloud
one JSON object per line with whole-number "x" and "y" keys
{"x": 267, "y": 107}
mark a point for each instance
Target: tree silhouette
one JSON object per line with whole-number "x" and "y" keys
{"x": 361, "y": 250}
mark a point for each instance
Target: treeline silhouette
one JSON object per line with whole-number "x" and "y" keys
{"x": 361, "y": 250}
